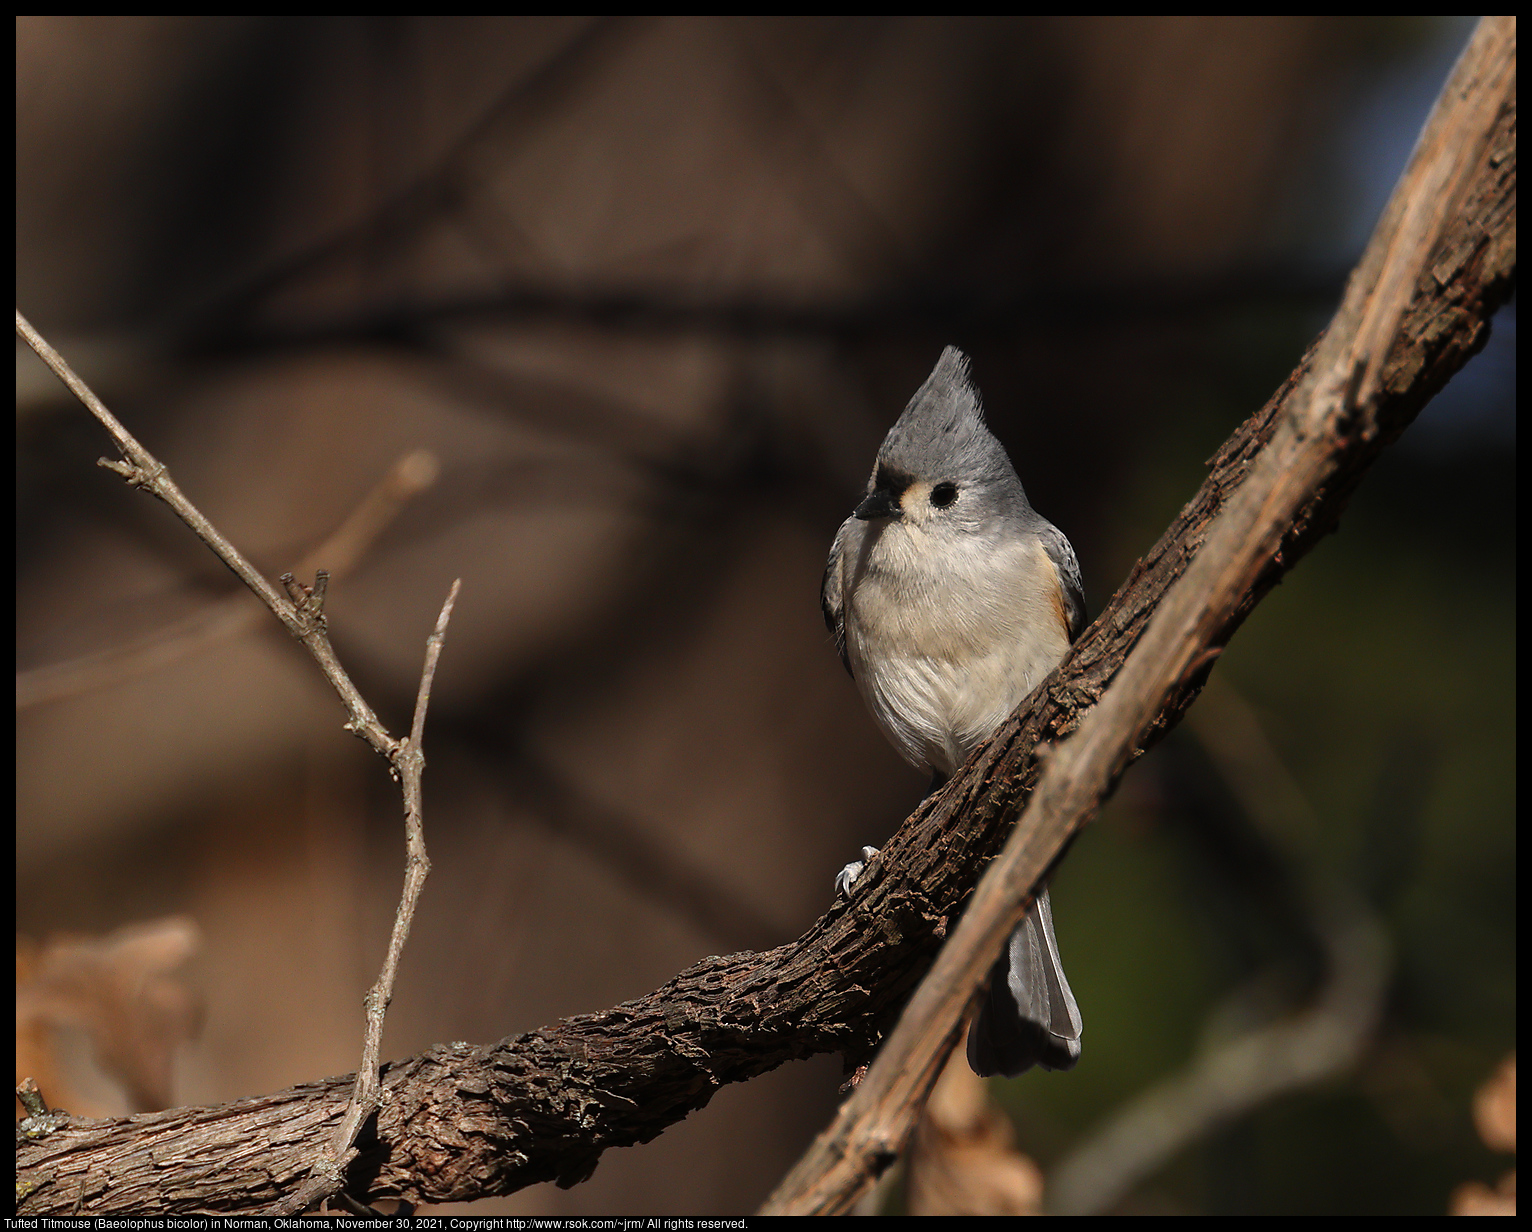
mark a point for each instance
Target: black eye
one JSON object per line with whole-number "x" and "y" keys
{"x": 943, "y": 494}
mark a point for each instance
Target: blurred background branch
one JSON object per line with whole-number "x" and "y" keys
{"x": 1246, "y": 1059}
{"x": 234, "y": 616}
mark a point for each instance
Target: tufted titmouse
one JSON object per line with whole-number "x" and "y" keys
{"x": 950, "y": 599}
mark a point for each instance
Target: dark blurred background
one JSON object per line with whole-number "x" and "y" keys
{"x": 650, "y": 292}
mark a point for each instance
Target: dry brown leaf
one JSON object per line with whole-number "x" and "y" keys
{"x": 962, "y": 1160}
{"x": 122, "y": 991}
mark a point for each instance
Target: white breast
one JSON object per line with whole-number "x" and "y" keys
{"x": 942, "y": 658}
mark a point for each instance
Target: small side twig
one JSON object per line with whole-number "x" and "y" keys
{"x": 301, "y": 610}
{"x": 410, "y": 764}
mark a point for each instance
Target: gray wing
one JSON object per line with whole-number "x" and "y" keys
{"x": 1029, "y": 1016}
{"x": 831, "y": 601}
{"x": 1062, "y": 554}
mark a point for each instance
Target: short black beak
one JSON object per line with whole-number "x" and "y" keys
{"x": 879, "y": 503}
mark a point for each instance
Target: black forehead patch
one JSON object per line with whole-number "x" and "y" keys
{"x": 892, "y": 478}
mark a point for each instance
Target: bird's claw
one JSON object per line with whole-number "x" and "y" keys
{"x": 847, "y": 876}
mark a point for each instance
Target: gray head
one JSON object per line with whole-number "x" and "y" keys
{"x": 940, "y": 456}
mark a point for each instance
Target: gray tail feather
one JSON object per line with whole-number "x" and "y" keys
{"x": 1029, "y": 1016}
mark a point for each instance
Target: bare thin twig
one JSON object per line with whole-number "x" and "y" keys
{"x": 142, "y": 470}
{"x": 302, "y": 611}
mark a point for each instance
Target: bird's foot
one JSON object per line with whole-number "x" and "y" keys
{"x": 847, "y": 876}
